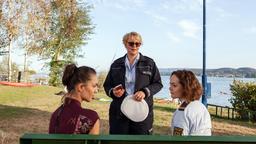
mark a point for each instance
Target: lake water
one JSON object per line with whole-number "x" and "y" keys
{"x": 220, "y": 89}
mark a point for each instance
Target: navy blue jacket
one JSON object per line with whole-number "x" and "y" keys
{"x": 147, "y": 80}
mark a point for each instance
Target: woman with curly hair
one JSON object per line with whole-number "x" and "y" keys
{"x": 192, "y": 117}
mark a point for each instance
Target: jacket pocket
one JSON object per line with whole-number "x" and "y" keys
{"x": 145, "y": 70}
{"x": 144, "y": 75}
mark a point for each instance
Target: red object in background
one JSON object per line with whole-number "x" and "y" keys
{"x": 17, "y": 84}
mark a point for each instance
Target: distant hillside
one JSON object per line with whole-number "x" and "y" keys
{"x": 245, "y": 72}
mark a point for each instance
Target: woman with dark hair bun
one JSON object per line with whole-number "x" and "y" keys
{"x": 70, "y": 117}
{"x": 192, "y": 117}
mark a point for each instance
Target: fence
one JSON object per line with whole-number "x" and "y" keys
{"x": 223, "y": 111}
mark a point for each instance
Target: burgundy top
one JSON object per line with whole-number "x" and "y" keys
{"x": 71, "y": 118}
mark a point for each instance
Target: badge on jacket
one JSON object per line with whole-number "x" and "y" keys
{"x": 147, "y": 73}
{"x": 177, "y": 131}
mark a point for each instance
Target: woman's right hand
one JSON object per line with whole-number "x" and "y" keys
{"x": 118, "y": 90}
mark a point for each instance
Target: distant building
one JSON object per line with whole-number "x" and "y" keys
{"x": 39, "y": 78}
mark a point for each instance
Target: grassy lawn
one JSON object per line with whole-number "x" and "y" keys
{"x": 27, "y": 110}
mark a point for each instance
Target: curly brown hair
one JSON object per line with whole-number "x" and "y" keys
{"x": 192, "y": 89}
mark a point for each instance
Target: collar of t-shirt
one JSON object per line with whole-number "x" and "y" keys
{"x": 72, "y": 102}
{"x": 130, "y": 71}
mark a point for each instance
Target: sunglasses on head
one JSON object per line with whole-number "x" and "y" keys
{"x": 131, "y": 44}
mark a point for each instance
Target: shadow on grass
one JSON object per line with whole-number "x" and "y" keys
{"x": 158, "y": 130}
{"x": 15, "y": 121}
{"x": 164, "y": 108}
{"x": 7, "y": 112}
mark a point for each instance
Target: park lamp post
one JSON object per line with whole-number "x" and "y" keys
{"x": 204, "y": 77}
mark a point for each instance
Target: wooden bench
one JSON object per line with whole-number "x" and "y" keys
{"x": 132, "y": 139}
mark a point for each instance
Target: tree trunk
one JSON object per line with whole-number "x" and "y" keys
{"x": 25, "y": 67}
{"x": 9, "y": 62}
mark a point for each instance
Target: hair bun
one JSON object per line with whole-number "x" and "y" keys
{"x": 68, "y": 73}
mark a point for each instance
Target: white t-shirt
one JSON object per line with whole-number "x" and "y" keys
{"x": 194, "y": 119}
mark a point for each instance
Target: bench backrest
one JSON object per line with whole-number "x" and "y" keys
{"x": 132, "y": 139}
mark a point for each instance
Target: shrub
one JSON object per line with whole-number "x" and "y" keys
{"x": 244, "y": 99}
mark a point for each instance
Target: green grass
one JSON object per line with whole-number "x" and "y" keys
{"x": 10, "y": 94}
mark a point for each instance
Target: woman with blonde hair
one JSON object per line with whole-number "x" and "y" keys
{"x": 132, "y": 75}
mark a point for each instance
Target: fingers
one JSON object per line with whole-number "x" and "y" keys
{"x": 118, "y": 92}
{"x": 139, "y": 96}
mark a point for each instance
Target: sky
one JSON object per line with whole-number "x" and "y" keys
{"x": 172, "y": 33}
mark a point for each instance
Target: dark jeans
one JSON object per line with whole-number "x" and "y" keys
{"x": 120, "y": 124}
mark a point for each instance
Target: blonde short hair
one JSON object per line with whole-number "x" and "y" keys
{"x": 130, "y": 34}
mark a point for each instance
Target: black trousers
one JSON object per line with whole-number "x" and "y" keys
{"x": 120, "y": 124}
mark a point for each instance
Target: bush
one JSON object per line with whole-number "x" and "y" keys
{"x": 244, "y": 99}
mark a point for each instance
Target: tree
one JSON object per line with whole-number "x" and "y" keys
{"x": 3, "y": 35}
{"x": 4, "y": 70}
{"x": 68, "y": 26}
{"x": 35, "y": 19}
{"x": 51, "y": 29}
{"x": 10, "y": 15}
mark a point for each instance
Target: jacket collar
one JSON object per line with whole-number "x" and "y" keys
{"x": 122, "y": 59}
